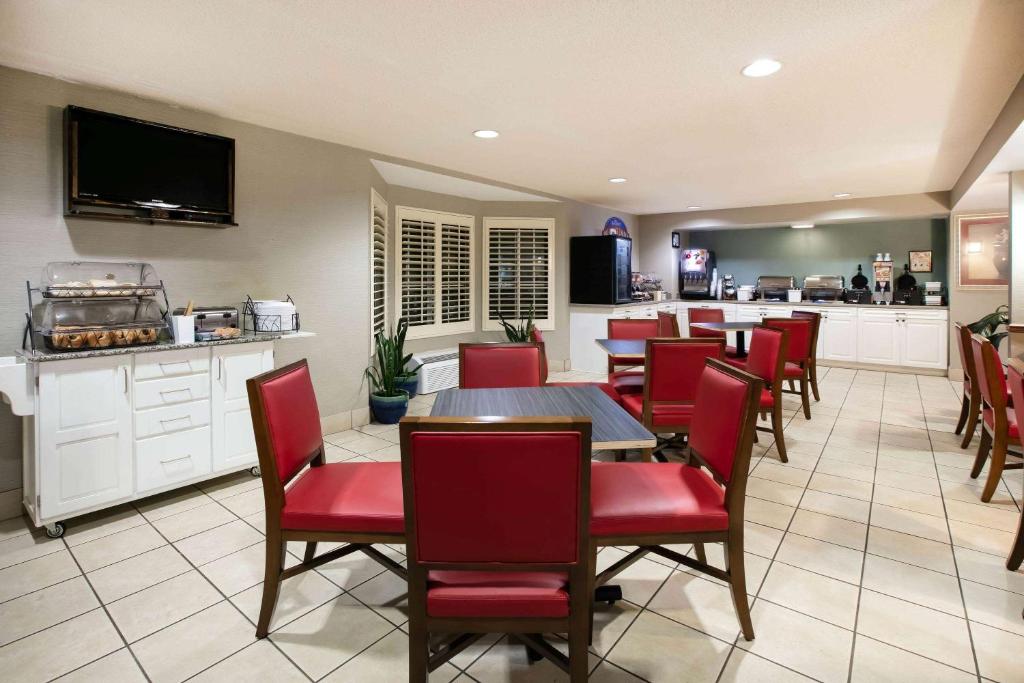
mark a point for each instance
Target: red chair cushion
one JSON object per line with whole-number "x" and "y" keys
{"x": 293, "y": 420}
{"x": 767, "y": 400}
{"x": 627, "y": 382}
{"x": 667, "y": 414}
{"x": 1012, "y": 429}
{"x": 603, "y": 386}
{"x": 631, "y": 498}
{"x": 357, "y": 497}
{"x": 740, "y": 363}
{"x": 497, "y": 594}
{"x": 793, "y": 371}
{"x": 487, "y": 366}
{"x": 629, "y": 360}
{"x": 731, "y": 352}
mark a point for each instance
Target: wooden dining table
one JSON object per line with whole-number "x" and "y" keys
{"x": 613, "y": 428}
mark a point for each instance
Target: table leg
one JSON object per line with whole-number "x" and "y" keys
{"x": 741, "y": 345}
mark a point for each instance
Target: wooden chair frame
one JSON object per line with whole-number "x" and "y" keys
{"x": 804, "y": 365}
{"x": 274, "y": 499}
{"x": 735, "y": 490}
{"x": 542, "y": 365}
{"x": 463, "y": 632}
{"x": 649, "y": 405}
{"x": 1016, "y": 556}
{"x": 775, "y": 386}
{"x": 970, "y": 409}
{"x": 673, "y": 321}
{"x": 812, "y": 362}
{"x": 995, "y": 439}
{"x": 617, "y": 361}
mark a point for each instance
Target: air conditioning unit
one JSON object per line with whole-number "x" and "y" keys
{"x": 438, "y": 370}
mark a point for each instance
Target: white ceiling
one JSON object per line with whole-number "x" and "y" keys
{"x": 876, "y": 97}
{"x": 419, "y": 179}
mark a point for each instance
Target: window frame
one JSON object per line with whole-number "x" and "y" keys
{"x": 519, "y": 223}
{"x": 439, "y": 218}
{"x": 376, "y": 199}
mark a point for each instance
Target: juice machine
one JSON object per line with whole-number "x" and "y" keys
{"x": 697, "y": 273}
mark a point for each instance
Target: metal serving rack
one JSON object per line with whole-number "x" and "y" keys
{"x": 256, "y": 323}
{"x": 28, "y": 339}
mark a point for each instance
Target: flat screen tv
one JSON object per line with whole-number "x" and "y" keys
{"x": 159, "y": 171}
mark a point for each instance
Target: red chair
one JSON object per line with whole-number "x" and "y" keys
{"x": 501, "y": 365}
{"x": 538, "y": 338}
{"x": 668, "y": 324}
{"x": 1015, "y": 378}
{"x": 355, "y": 503}
{"x": 970, "y": 409}
{"x": 497, "y": 517}
{"x": 999, "y": 429}
{"x": 707, "y": 315}
{"x": 800, "y": 350}
{"x": 654, "y": 505}
{"x": 630, "y": 381}
{"x": 767, "y": 361}
{"x": 672, "y": 371}
{"x": 813, "y": 360}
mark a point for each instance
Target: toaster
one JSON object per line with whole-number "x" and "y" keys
{"x": 209, "y": 318}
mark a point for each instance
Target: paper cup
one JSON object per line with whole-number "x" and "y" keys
{"x": 184, "y": 329}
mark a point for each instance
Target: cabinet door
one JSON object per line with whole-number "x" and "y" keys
{"x": 878, "y": 338}
{"x": 234, "y": 445}
{"x": 837, "y": 339}
{"x": 748, "y": 314}
{"x": 924, "y": 341}
{"x": 85, "y": 434}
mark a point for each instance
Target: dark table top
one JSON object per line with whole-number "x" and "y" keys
{"x": 623, "y": 347}
{"x": 613, "y": 427}
{"x": 728, "y": 327}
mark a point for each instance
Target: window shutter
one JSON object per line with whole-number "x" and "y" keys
{"x": 418, "y": 271}
{"x": 519, "y": 270}
{"x": 456, "y": 273}
{"x": 378, "y": 263}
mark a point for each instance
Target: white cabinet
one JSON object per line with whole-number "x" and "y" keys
{"x": 878, "y": 337}
{"x": 925, "y": 341}
{"x": 234, "y": 445}
{"x": 84, "y": 434}
{"x": 837, "y": 337}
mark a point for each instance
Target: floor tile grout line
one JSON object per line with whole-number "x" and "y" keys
{"x": 352, "y": 658}
{"x": 956, "y": 568}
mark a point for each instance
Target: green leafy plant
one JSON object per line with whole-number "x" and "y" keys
{"x": 987, "y": 327}
{"x": 519, "y": 332}
{"x": 390, "y": 360}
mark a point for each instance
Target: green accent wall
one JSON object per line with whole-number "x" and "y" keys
{"x": 825, "y": 249}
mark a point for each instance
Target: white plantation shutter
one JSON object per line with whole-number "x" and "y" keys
{"x": 519, "y": 271}
{"x": 378, "y": 263}
{"x": 435, "y": 272}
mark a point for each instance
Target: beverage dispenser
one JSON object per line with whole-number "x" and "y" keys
{"x": 696, "y": 274}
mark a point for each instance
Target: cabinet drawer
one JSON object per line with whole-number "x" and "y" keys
{"x": 175, "y": 418}
{"x": 165, "y": 460}
{"x": 165, "y": 392}
{"x": 171, "y": 363}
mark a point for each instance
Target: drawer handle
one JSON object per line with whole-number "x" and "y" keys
{"x": 184, "y": 457}
{"x": 176, "y": 363}
{"x": 176, "y": 391}
{"x": 187, "y": 418}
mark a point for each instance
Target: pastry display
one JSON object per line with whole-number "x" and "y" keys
{"x": 85, "y": 279}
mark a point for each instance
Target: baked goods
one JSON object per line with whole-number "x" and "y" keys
{"x": 147, "y": 335}
{"x": 227, "y": 332}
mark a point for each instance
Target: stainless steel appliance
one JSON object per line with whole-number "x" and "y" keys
{"x": 696, "y": 274}
{"x": 599, "y": 269}
{"x": 775, "y": 287}
{"x": 728, "y": 287}
{"x": 209, "y": 318}
{"x": 824, "y": 288}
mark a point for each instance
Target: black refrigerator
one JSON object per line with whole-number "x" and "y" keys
{"x": 600, "y": 270}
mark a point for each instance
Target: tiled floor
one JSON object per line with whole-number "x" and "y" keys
{"x": 870, "y": 558}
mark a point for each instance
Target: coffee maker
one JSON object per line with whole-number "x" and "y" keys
{"x": 728, "y": 287}
{"x": 696, "y": 274}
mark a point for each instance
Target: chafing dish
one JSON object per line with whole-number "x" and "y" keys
{"x": 775, "y": 287}
{"x": 824, "y": 288}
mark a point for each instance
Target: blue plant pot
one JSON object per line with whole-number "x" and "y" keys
{"x": 389, "y": 409}
{"x": 408, "y": 384}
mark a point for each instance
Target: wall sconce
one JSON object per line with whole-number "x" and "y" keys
{"x": 974, "y": 247}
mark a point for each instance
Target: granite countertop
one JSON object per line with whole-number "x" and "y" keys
{"x": 43, "y": 356}
{"x": 751, "y": 303}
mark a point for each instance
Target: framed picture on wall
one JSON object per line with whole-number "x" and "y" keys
{"x": 983, "y": 251}
{"x": 675, "y": 240}
{"x": 920, "y": 261}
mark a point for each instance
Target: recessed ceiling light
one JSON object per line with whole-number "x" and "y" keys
{"x": 802, "y": 226}
{"x": 761, "y": 67}
{"x": 693, "y": 207}
{"x": 841, "y": 195}
{"x": 616, "y": 180}
{"x": 486, "y": 134}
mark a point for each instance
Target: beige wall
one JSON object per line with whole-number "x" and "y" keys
{"x": 303, "y": 214}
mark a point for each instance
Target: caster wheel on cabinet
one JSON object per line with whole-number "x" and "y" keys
{"x": 55, "y": 530}
{"x": 254, "y": 470}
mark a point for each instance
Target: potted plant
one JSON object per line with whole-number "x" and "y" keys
{"x": 388, "y": 400}
{"x": 520, "y": 332}
{"x": 988, "y": 325}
